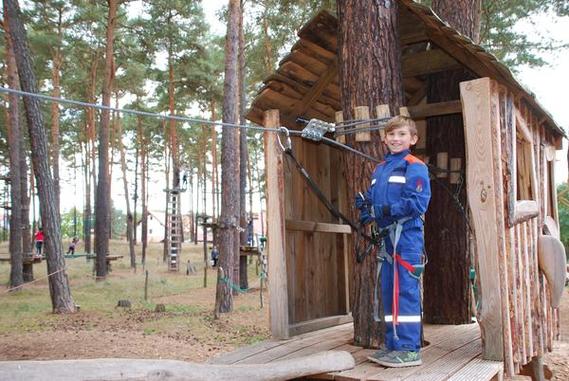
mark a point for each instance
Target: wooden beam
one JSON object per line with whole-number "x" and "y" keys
{"x": 314, "y": 93}
{"x": 317, "y": 227}
{"x": 430, "y": 61}
{"x": 316, "y": 324}
{"x": 482, "y": 194}
{"x": 525, "y": 210}
{"x": 276, "y": 248}
{"x": 426, "y": 110}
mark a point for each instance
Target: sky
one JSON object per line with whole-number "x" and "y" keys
{"x": 549, "y": 84}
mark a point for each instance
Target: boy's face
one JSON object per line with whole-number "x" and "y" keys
{"x": 399, "y": 139}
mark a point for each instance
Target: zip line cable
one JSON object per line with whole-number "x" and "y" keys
{"x": 133, "y": 112}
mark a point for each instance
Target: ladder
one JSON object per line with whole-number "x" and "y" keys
{"x": 174, "y": 229}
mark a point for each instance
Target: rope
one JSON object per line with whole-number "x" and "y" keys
{"x": 233, "y": 286}
{"x": 33, "y": 281}
{"x": 133, "y": 112}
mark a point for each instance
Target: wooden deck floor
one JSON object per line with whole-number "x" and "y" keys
{"x": 453, "y": 354}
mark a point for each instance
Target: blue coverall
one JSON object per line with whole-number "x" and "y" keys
{"x": 400, "y": 189}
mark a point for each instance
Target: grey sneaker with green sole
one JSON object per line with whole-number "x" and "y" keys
{"x": 400, "y": 359}
{"x": 381, "y": 352}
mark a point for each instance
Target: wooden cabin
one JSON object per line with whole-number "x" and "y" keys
{"x": 506, "y": 155}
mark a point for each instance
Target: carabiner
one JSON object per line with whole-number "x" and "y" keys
{"x": 285, "y": 131}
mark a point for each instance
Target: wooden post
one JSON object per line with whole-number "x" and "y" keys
{"x": 362, "y": 112}
{"x": 442, "y": 163}
{"x": 278, "y": 291}
{"x": 339, "y": 120}
{"x": 382, "y": 111}
{"x": 482, "y": 193}
{"x": 455, "y": 166}
{"x": 146, "y": 285}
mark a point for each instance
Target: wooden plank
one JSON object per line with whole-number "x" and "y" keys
{"x": 317, "y": 324}
{"x": 525, "y": 210}
{"x": 501, "y": 227}
{"x": 527, "y": 296}
{"x": 276, "y": 247}
{"x": 449, "y": 364}
{"x": 321, "y": 227}
{"x": 521, "y": 295}
{"x": 362, "y": 113}
{"x": 477, "y": 111}
{"x": 426, "y": 62}
{"x": 445, "y": 339}
{"x": 455, "y": 167}
{"x": 339, "y": 121}
{"x": 442, "y": 163}
{"x": 382, "y": 111}
{"x": 422, "y": 111}
{"x": 478, "y": 369}
{"x": 314, "y": 93}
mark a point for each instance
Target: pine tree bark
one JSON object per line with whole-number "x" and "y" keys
{"x": 229, "y": 218}
{"x": 57, "y": 62}
{"x": 448, "y": 248}
{"x": 90, "y": 158}
{"x": 14, "y": 137}
{"x": 214, "y": 175}
{"x": 25, "y": 221}
{"x": 60, "y": 293}
{"x": 103, "y": 203}
{"x": 462, "y": 15}
{"x": 243, "y": 154}
{"x": 370, "y": 75}
{"x": 129, "y": 217}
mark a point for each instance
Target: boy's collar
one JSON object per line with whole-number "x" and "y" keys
{"x": 398, "y": 154}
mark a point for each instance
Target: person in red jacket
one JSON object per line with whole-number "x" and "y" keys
{"x": 39, "y": 241}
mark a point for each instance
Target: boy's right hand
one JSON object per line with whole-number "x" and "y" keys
{"x": 363, "y": 203}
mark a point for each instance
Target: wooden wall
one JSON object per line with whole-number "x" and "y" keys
{"x": 313, "y": 254}
{"x": 520, "y": 323}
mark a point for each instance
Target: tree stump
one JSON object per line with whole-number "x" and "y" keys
{"x": 160, "y": 308}
{"x": 124, "y": 303}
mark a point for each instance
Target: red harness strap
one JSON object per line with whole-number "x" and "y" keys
{"x": 409, "y": 267}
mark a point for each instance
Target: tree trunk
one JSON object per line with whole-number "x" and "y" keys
{"x": 90, "y": 171}
{"x": 103, "y": 203}
{"x": 135, "y": 195}
{"x": 57, "y": 62}
{"x": 14, "y": 137}
{"x": 243, "y": 153}
{"x": 462, "y": 15}
{"x": 370, "y": 75}
{"x": 143, "y": 193}
{"x": 26, "y": 231}
{"x": 446, "y": 234}
{"x": 214, "y": 177}
{"x": 61, "y": 299}
{"x": 129, "y": 218}
{"x": 229, "y": 218}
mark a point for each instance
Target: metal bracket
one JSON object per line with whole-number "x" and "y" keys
{"x": 316, "y": 128}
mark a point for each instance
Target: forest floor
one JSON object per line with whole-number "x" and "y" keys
{"x": 185, "y": 331}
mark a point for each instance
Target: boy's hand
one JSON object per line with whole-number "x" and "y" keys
{"x": 363, "y": 203}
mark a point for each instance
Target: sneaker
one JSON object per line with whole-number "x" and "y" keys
{"x": 381, "y": 352}
{"x": 400, "y": 359}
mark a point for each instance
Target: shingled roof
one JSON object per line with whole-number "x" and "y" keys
{"x": 306, "y": 82}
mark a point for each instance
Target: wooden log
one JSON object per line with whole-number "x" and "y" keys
{"x": 154, "y": 370}
{"x": 477, "y": 111}
{"x": 426, "y": 110}
{"x": 455, "y": 166}
{"x": 339, "y": 121}
{"x": 521, "y": 295}
{"x": 382, "y": 111}
{"x": 525, "y": 210}
{"x": 278, "y": 292}
{"x": 442, "y": 163}
{"x": 500, "y": 226}
{"x": 362, "y": 113}
{"x": 321, "y": 227}
{"x": 527, "y": 296}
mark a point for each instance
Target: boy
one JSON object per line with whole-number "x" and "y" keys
{"x": 396, "y": 200}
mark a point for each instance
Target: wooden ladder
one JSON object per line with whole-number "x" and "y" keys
{"x": 174, "y": 229}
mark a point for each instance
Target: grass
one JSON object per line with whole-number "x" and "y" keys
{"x": 188, "y": 305}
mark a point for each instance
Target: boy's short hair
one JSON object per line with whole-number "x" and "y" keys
{"x": 400, "y": 121}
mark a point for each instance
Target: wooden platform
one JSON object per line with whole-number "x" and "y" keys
{"x": 453, "y": 353}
